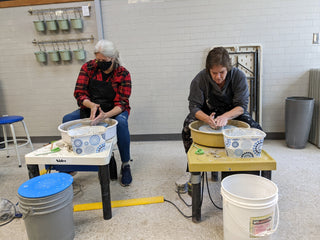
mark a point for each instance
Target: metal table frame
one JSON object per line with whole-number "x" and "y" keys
{"x": 220, "y": 162}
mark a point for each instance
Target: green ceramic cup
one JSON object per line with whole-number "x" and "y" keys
{"x": 79, "y": 54}
{"x": 41, "y": 56}
{"x": 39, "y": 25}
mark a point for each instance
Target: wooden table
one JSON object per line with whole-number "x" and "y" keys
{"x": 67, "y": 157}
{"x": 216, "y": 160}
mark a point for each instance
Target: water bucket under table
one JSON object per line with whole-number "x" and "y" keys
{"x": 250, "y": 206}
{"x": 46, "y": 204}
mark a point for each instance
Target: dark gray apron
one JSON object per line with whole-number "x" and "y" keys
{"x": 218, "y": 103}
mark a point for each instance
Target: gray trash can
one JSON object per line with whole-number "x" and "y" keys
{"x": 298, "y": 116}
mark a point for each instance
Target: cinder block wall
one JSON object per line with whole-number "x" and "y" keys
{"x": 163, "y": 44}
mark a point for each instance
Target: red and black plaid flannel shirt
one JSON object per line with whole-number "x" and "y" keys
{"x": 119, "y": 77}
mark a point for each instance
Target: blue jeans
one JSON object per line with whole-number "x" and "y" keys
{"x": 123, "y": 134}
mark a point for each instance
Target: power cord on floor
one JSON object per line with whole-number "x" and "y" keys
{"x": 178, "y": 209}
{"x": 188, "y": 205}
{"x": 210, "y": 194}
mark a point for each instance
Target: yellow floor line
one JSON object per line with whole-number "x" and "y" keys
{"x": 43, "y": 171}
{"x": 119, "y": 203}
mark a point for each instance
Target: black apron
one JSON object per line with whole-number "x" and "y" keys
{"x": 218, "y": 103}
{"x": 100, "y": 92}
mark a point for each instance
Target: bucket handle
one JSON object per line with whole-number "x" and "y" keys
{"x": 29, "y": 211}
{"x": 266, "y": 233}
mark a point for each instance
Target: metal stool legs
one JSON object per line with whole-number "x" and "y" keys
{"x": 15, "y": 140}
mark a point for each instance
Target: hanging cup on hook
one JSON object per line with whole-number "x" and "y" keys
{"x": 65, "y": 53}
{"x": 63, "y": 23}
{"x": 52, "y": 24}
{"x": 54, "y": 54}
{"x": 79, "y": 53}
{"x": 39, "y": 25}
{"x": 76, "y": 23}
{"x": 41, "y": 55}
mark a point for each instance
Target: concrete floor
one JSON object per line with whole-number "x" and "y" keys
{"x": 156, "y": 167}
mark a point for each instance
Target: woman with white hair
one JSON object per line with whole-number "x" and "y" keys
{"x": 102, "y": 91}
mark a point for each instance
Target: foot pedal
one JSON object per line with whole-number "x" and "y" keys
{"x": 182, "y": 183}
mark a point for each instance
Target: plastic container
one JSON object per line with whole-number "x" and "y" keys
{"x": 110, "y": 132}
{"x": 214, "y": 139}
{"x": 88, "y": 139}
{"x": 250, "y": 207}
{"x": 46, "y": 205}
{"x": 243, "y": 143}
{"x": 298, "y": 117}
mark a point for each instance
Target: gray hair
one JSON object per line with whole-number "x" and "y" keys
{"x": 108, "y": 49}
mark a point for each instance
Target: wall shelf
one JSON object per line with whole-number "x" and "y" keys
{"x": 56, "y": 11}
{"x": 64, "y": 40}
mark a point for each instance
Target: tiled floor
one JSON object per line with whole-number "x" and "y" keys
{"x": 156, "y": 167}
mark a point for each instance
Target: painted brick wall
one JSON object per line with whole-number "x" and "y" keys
{"x": 163, "y": 43}
{"x": 40, "y": 93}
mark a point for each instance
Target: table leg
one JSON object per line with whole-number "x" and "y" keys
{"x": 33, "y": 170}
{"x": 266, "y": 174}
{"x": 104, "y": 178}
{"x": 196, "y": 196}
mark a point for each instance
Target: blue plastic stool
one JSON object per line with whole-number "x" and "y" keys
{"x": 10, "y": 120}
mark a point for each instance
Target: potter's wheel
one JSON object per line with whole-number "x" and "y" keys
{"x": 207, "y": 129}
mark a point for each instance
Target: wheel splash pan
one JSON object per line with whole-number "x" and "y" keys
{"x": 212, "y": 139}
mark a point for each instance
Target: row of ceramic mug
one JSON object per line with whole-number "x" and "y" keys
{"x": 54, "y": 25}
{"x": 56, "y": 56}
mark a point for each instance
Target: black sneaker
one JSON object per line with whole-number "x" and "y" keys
{"x": 126, "y": 177}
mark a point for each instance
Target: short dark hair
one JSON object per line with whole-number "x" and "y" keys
{"x": 218, "y": 56}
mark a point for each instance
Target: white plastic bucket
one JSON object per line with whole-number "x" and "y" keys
{"x": 46, "y": 206}
{"x": 250, "y": 207}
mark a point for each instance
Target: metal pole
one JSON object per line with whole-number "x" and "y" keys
{"x": 97, "y": 4}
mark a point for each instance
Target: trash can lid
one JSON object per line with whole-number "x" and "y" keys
{"x": 45, "y": 185}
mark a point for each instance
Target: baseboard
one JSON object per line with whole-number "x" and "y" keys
{"x": 275, "y": 135}
{"x": 153, "y": 137}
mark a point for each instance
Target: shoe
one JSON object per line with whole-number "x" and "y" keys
{"x": 126, "y": 177}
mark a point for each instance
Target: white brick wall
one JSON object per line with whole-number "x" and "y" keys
{"x": 40, "y": 93}
{"x": 163, "y": 44}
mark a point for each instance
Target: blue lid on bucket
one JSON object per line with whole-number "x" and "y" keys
{"x": 45, "y": 185}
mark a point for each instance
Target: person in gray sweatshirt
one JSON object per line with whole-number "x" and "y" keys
{"x": 218, "y": 93}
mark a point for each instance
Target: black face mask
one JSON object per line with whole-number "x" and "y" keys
{"x": 103, "y": 65}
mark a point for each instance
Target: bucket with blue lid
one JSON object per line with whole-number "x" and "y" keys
{"x": 46, "y": 206}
